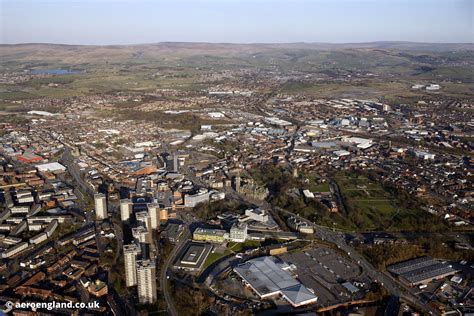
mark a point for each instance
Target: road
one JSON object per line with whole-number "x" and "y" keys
{"x": 335, "y": 190}
{"x": 164, "y": 269}
{"x": 68, "y": 160}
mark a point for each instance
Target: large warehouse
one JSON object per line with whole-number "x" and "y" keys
{"x": 421, "y": 270}
{"x": 267, "y": 277}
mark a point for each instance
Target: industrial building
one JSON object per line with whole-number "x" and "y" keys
{"x": 421, "y": 270}
{"x": 267, "y": 277}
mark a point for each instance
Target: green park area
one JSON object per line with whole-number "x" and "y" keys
{"x": 370, "y": 197}
{"x": 371, "y": 206}
{"x": 322, "y": 187}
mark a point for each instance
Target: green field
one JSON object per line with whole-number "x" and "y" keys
{"x": 239, "y": 246}
{"x": 367, "y": 202}
{"x": 213, "y": 257}
{"x": 372, "y": 207}
{"x": 319, "y": 187}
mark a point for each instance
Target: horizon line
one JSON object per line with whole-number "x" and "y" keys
{"x": 245, "y": 43}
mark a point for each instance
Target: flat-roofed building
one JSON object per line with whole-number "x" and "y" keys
{"x": 173, "y": 231}
{"x": 257, "y": 214}
{"x": 191, "y": 200}
{"x": 51, "y": 167}
{"x": 141, "y": 234}
{"x": 146, "y": 281}
{"x": 100, "y": 202}
{"x": 144, "y": 219}
{"x": 153, "y": 212}
{"x": 193, "y": 256}
{"x": 238, "y": 232}
{"x": 126, "y": 209}
{"x": 211, "y": 235}
{"x": 130, "y": 253}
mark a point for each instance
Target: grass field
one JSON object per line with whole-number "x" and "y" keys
{"x": 373, "y": 206}
{"x": 313, "y": 183}
{"x": 213, "y": 257}
{"x": 319, "y": 187}
{"x": 239, "y": 246}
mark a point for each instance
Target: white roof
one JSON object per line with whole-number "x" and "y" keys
{"x": 341, "y": 153}
{"x": 43, "y": 113}
{"x": 267, "y": 278}
{"x": 299, "y": 295}
{"x": 52, "y": 166}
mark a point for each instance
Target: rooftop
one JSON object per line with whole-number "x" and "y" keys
{"x": 267, "y": 277}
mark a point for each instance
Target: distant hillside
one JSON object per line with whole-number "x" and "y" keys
{"x": 86, "y": 54}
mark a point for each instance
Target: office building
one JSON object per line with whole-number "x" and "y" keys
{"x": 100, "y": 202}
{"x": 146, "y": 280}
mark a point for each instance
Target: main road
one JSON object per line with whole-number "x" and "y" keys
{"x": 164, "y": 269}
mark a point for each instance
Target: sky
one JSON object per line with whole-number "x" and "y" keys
{"x": 105, "y": 22}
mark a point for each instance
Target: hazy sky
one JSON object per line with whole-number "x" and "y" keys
{"x": 239, "y": 21}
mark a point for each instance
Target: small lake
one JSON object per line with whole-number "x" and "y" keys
{"x": 55, "y": 71}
